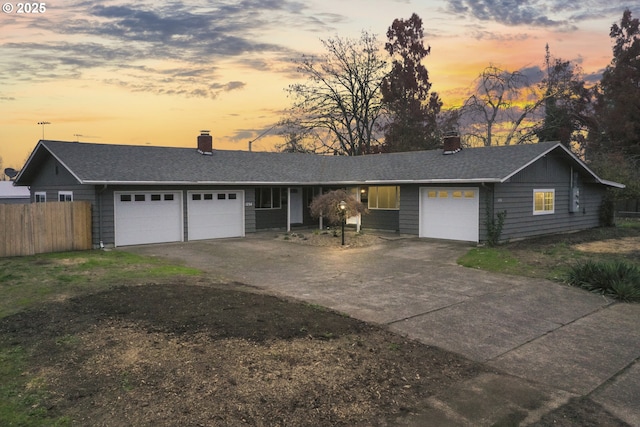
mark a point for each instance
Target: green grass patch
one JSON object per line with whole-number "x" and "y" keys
{"x": 553, "y": 257}
{"x": 25, "y": 281}
{"x": 629, "y": 223}
{"x": 22, "y": 397}
{"x": 491, "y": 259}
{"x": 31, "y": 280}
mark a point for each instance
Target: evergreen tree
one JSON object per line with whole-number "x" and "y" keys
{"x": 412, "y": 110}
{"x": 618, "y": 103}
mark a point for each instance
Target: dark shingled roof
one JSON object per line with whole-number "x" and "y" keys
{"x": 128, "y": 164}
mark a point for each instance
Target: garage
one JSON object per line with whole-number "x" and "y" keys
{"x": 450, "y": 213}
{"x": 215, "y": 214}
{"x": 147, "y": 217}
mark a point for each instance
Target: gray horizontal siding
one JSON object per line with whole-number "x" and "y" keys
{"x": 271, "y": 218}
{"x": 409, "y": 215}
{"x": 550, "y": 172}
{"x": 520, "y": 222}
{"x": 381, "y": 219}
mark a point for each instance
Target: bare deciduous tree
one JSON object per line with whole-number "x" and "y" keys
{"x": 502, "y": 103}
{"x": 336, "y": 109}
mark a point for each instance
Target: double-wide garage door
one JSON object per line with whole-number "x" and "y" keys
{"x": 157, "y": 217}
{"x": 450, "y": 213}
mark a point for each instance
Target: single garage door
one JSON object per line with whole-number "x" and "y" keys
{"x": 148, "y": 217}
{"x": 215, "y": 214}
{"x": 450, "y": 213}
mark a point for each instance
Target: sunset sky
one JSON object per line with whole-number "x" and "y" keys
{"x": 157, "y": 72}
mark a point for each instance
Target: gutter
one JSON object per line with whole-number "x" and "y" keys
{"x": 292, "y": 183}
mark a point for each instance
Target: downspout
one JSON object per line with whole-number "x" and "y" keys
{"x": 104, "y": 187}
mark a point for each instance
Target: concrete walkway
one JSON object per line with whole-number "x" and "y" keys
{"x": 548, "y": 341}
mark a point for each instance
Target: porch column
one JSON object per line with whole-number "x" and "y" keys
{"x": 320, "y": 219}
{"x": 288, "y": 209}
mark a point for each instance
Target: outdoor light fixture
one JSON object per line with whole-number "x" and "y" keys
{"x": 343, "y": 210}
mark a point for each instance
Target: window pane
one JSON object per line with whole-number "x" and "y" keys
{"x": 156, "y": 197}
{"x": 373, "y": 197}
{"x": 139, "y": 198}
{"x": 125, "y": 197}
{"x": 457, "y": 194}
{"x": 208, "y": 196}
{"x": 543, "y": 201}
{"x": 276, "y": 198}
{"x": 538, "y": 201}
{"x": 232, "y": 196}
{"x": 263, "y": 198}
{"x": 168, "y": 196}
{"x": 386, "y": 197}
{"x": 196, "y": 197}
{"x": 469, "y": 194}
{"x": 222, "y": 196}
{"x": 443, "y": 194}
{"x": 548, "y": 201}
{"x": 65, "y": 196}
{"x": 432, "y": 194}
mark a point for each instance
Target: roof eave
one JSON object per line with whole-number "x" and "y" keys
{"x": 611, "y": 183}
{"x": 574, "y": 158}
{"x": 294, "y": 183}
{"x": 40, "y": 146}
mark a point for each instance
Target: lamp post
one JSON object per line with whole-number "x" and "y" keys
{"x": 343, "y": 210}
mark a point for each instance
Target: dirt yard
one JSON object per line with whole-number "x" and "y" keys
{"x": 198, "y": 355}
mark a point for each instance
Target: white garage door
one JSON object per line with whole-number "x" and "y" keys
{"x": 215, "y": 214}
{"x": 148, "y": 217}
{"x": 449, "y": 213}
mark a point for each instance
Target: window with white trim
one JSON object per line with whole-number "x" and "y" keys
{"x": 544, "y": 201}
{"x": 384, "y": 197}
{"x": 40, "y": 196}
{"x": 65, "y": 196}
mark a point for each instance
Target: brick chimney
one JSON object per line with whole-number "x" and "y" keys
{"x": 451, "y": 143}
{"x": 205, "y": 143}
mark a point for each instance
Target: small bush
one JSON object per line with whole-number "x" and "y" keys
{"x": 618, "y": 279}
{"x": 494, "y": 227}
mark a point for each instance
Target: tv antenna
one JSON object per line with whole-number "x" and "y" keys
{"x": 43, "y": 123}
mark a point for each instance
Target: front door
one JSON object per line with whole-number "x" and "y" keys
{"x": 295, "y": 205}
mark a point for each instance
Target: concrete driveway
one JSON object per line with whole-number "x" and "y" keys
{"x": 544, "y": 339}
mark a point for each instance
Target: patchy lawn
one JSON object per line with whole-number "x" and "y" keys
{"x": 551, "y": 257}
{"x": 170, "y": 348}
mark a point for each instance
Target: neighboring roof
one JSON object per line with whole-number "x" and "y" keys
{"x": 9, "y": 191}
{"x": 128, "y": 164}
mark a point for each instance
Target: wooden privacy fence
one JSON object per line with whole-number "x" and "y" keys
{"x": 28, "y": 229}
{"x": 628, "y": 208}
